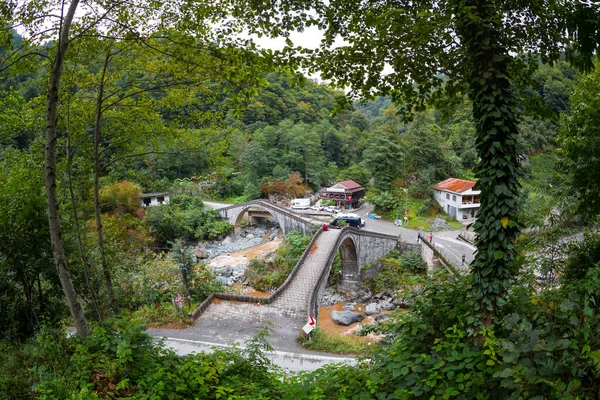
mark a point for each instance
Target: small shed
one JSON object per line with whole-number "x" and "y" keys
{"x": 154, "y": 199}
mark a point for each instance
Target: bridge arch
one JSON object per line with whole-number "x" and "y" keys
{"x": 247, "y": 209}
{"x": 350, "y": 269}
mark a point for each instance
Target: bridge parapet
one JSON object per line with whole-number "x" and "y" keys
{"x": 434, "y": 258}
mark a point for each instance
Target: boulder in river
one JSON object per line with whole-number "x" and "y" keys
{"x": 372, "y": 309}
{"x": 346, "y": 318}
{"x": 382, "y": 317}
{"x": 200, "y": 253}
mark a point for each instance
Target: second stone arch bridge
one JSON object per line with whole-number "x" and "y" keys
{"x": 287, "y": 220}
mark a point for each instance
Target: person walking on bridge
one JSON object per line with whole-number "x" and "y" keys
{"x": 430, "y": 237}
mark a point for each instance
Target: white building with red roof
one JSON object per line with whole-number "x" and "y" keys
{"x": 458, "y": 199}
{"x": 347, "y": 194}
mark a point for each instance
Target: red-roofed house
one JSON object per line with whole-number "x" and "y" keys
{"x": 457, "y": 198}
{"x": 346, "y": 194}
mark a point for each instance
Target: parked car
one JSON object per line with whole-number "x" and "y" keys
{"x": 353, "y": 221}
{"x": 333, "y": 209}
{"x": 316, "y": 208}
{"x": 351, "y": 216}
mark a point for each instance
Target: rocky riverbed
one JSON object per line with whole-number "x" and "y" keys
{"x": 229, "y": 258}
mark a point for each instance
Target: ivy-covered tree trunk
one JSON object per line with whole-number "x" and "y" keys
{"x": 50, "y": 177}
{"x": 495, "y": 114}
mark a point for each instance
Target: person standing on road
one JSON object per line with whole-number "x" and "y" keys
{"x": 430, "y": 237}
{"x": 418, "y": 237}
{"x": 463, "y": 259}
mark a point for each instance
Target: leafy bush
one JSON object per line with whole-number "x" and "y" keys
{"x": 334, "y": 274}
{"x": 120, "y": 360}
{"x": 251, "y": 191}
{"x": 292, "y": 186}
{"x": 120, "y": 197}
{"x": 429, "y": 207}
{"x": 412, "y": 261}
{"x": 367, "y": 329}
{"x": 389, "y": 277}
{"x": 397, "y": 270}
{"x": 14, "y": 382}
{"x": 265, "y": 276}
{"x": 583, "y": 256}
{"x": 185, "y": 217}
{"x": 162, "y": 277}
{"x": 385, "y": 202}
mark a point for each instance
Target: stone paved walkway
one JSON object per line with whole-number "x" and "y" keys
{"x": 296, "y": 297}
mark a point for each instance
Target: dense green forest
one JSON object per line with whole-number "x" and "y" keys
{"x": 100, "y": 104}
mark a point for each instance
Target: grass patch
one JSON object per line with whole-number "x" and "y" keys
{"x": 421, "y": 213}
{"x": 236, "y": 199}
{"x": 323, "y": 341}
{"x": 163, "y": 314}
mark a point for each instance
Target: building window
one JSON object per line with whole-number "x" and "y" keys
{"x": 160, "y": 199}
{"x": 447, "y": 196}
{"x": 147, "y": 202}
{"x": 453, "y": 198}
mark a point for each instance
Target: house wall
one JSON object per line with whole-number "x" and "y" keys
{"x": 453, "y": 200}
{"x": 438, "y": 196}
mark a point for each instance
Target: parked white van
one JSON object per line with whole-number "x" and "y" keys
{"x": 301, "y": 204}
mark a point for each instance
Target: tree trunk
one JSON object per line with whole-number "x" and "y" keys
{"x": 86, "y": 265}
{"x": 41, "y": 294}
{"x": 495, "y": 115}
{"x": 97, "y": 129}
{"x": 50, "y": 177}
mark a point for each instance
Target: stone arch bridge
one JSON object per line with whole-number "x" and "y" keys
{"x": 287, "y": 220}
{"x": 302, "y": 292}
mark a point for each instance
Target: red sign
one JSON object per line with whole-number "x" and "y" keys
{"x": 179, "y": 300}
{"x": 310, "y": 325}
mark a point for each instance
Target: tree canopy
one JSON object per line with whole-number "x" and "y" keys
{"x": 435, "y": 51}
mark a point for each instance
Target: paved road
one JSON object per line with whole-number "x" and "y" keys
{"x": 446, "y": 242}
{"x": 289, "y": 361}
